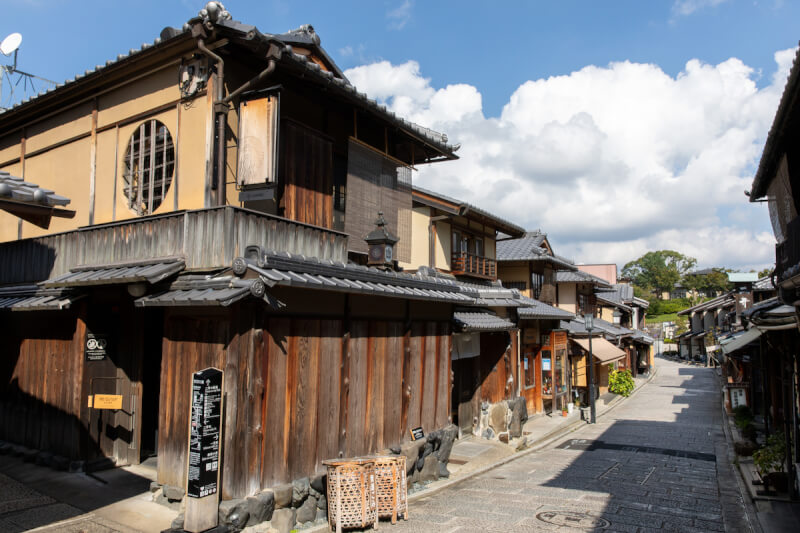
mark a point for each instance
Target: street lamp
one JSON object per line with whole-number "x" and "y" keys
{"x": 588, "y": 322}
{"x": 617, "y": 317}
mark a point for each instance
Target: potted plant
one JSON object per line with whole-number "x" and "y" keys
{"x": 564, "y": 411}
{"x": 769, "y": 462}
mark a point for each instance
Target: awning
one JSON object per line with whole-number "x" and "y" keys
{"x": 481, "y": 321}
{"x": 150, "y": 270}
{"x": 217, "y": 292}
{"x": 602, "y": 350}
{"x": 739, "y": 340}
{"x": 32, "y": 298}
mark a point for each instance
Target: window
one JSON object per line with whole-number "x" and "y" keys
{"x": 529, "y": 362}
{"x": 519, "y": 285}
{"x": 536, "y": 285}
{"x": 149, "y": 166}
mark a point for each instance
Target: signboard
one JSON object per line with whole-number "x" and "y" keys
{"x": 106, "y": 401}
{"x": 545, "y": 364}
{"x": 252, "y": 195}
{"x": 417, "y": 433}
{"x": 529, "y": 336}
{"x": 204, "y": 433}
{"x": 96, "y": 347}
{"x": 738, "y": 397}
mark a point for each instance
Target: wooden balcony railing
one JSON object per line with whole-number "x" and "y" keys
{"x": 473, "y": 265}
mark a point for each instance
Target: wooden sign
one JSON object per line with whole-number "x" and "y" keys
{"x": 205, "y": 440}
{"x": 105, "y": 401}
{"x": 417, "y": 433}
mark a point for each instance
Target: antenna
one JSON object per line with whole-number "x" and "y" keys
{"x": 29, "y": 81}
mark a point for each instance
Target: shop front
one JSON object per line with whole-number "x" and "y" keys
{"x": 605, "y": 356}
{"x": 545, "y": 371}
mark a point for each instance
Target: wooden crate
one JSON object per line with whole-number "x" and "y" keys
{"x": 352, "y": 493}
{"x": 390, "y": 482}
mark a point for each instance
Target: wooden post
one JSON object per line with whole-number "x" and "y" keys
{"x": 205, "y": 451}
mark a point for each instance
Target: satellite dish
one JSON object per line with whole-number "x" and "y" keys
{"x": 10, "y": 44}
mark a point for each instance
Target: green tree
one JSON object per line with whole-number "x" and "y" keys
{"x": 765, "y": 272}
{"x": 711, "y": 283}
{"x": 659, "y": 271}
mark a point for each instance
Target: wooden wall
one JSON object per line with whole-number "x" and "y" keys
{"x": 498, "y": 366}
{"x": 307, "y": 173}
{"x": 41, "y": 369}
{"x": 301, "y": 390}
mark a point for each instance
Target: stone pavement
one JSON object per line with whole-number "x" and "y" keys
{"x": 38, "y": 498}
{"x": 657, "y": 461}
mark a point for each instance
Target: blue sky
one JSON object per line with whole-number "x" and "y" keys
{"x": 458, "y": 65}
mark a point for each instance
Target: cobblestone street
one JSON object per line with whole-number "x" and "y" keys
{"x": 656, "y": 462}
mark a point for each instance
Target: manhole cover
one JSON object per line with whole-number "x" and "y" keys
{"x": 561, "y": 518}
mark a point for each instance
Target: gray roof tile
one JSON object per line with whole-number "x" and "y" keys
{"x": 481, "y": 321}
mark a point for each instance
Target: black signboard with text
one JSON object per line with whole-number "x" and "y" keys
{"x": 204, "y": 436}
{"x": 96, "y": 347}
{"x": 417, "y": 433}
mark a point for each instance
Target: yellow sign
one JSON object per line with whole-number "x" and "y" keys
{"x": 107, "y": 401}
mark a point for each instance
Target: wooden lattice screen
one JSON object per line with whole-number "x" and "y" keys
{"x": 377, "y": 183}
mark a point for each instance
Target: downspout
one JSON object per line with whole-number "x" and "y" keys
{"x": 221, "y": 114}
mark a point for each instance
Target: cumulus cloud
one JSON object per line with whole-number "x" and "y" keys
{"x": 611, "y": 161}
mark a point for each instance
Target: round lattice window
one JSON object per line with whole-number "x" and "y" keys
{"x": 149, "y": 166}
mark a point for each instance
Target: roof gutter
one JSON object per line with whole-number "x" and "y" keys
{"x": 220, "y": 115}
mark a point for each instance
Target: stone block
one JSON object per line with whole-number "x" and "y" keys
{"x": 154, "y": 486}
{"x": 322, "y": 503}
{"x": 283, "y": 496}
{"x": 233, "y": 513}
{"x": 322, "y": 515}
{"x": 488, "y": 434}
{"x": 443, "y": 471}
{"x": 43, "y": 458}
{"x": 308, "y": 511}
{"x": 173, "y": 494}
{"x": 449, "y": 435}
{"x": 284, "y": 520}
{"x": 413, "y": 451}
{"x": 318, "y": 483}
{"x": 503, "y": 437}
{"x": 430, "y": 470}
{"x": 77, "y": 466}
{"x": 519, "y": 415}
{"x": 177, "y": 523}
{"x": 299, "y": 491}
{"x": 498, "y": 417}
{"x": 261, "y": 506}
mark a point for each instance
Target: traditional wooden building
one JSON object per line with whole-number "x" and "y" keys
{"x": 223, "y": 182}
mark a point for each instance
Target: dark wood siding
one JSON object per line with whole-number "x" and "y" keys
{"x": 299, "y": 391}
{"x": 307, "y": 171}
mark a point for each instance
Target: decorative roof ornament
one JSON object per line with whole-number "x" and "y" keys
{"x": 381, "y": 235}
{"x": 213, "y": 12}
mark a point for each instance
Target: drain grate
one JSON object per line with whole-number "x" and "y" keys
{"x": 573, "y": 520}
{"x": 591, "y": 445}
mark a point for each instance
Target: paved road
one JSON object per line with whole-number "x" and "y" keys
{"x": 658, "y": 461}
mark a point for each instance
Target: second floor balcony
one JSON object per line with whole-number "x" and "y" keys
{"x": 466, "y": 264}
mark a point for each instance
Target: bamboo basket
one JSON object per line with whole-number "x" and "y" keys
{"x": 352, "y": 501}
{"x": 392, "y": 492}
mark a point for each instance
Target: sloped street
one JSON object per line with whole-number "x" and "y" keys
{"x": 656, "y": 462}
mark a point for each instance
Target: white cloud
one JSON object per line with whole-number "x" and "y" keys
{"x": 687, "y": 7}
{"x": 400, "y": 16}
{"x": 611, "y": 161}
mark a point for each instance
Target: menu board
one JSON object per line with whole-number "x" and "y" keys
{"x": 204, "y": 436}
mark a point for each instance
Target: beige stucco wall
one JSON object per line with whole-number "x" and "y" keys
{"x": 566, "y": 297}
{"x": 67, "y": 168}
{"x": 420, "y": 218}
{"x": 443, "y": 245}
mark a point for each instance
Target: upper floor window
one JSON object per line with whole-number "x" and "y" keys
{"x": 149, "y": 166}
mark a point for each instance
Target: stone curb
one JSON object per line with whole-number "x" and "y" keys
{"x": 537, "y": 445}
{"x": 750, "y": 513}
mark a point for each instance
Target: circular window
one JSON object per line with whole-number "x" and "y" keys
{"x": 149, "y": 165}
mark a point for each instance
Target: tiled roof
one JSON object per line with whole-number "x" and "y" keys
{"x": 481, "y": 321}
{"x": 285, "y": 269}
{"x": 151, "y": 270}
{"x": 221, "y": 291}
{"x": 527, "y": 248}
{"x": 334, "y": 81}
{"x": 719, "y": 302}
{"x": 33, "y": 298}
{"x": 580, "y": 277}
{"x": 764, "y": 284}
{"x": 17, "y": 189}
{"x": 502, "y": 224}
{"x": 534, "y": 309}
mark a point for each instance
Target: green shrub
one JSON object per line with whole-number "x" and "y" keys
{"x": 620, "y": 382}
{"x": 770, "y": 458}
{"x": 742, "y": 416}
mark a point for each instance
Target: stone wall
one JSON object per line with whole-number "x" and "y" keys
{"x": 503, "y": 420}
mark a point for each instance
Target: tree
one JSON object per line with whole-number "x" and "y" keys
{"x": 710, "y": 283}
{"x": 764, "y": 273}
{"x": 659, "y": 271}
